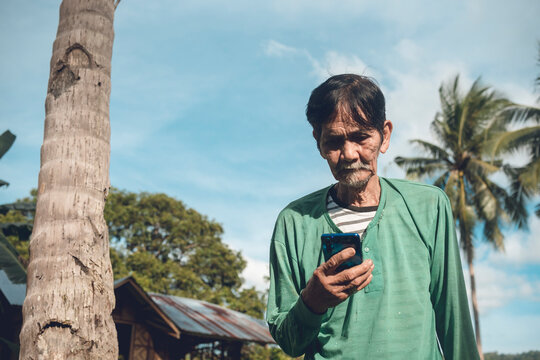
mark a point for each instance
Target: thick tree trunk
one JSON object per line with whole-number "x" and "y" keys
{"x": 70, "y": 295}
{"x": 475, "y": 304}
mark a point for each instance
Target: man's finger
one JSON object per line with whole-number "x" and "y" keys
{"x": 356, "y": 285}
{"x": 364, "y": 283}
{"x": 338, "y": 259}
{"x": 348, "y": 275}
{"x": 354, "y": 282}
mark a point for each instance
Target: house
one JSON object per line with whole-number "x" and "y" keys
{"x": 149, "y": 325}
{"x": 157, "y": 326}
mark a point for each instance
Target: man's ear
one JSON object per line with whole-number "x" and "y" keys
{"x": 387, "y": 131}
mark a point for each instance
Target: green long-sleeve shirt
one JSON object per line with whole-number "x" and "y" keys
{"x": 417, "y": 294}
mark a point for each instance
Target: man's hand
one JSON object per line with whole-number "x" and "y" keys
{"x": 327, "y": 288}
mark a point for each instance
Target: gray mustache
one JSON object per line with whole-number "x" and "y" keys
{"x": 353, "y": 166}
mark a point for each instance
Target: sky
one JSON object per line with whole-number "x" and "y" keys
{"x": 208, "y": 102}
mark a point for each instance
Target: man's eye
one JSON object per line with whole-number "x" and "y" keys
{"x": 332, "y": 143}
{"x": 360, "y": 137}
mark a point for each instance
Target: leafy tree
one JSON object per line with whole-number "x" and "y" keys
{"x": 172, "y": 249}
{"x": 167, "y": 247}
{"x": 459, "y": 166}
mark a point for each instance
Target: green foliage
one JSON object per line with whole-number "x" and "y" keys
{"x": 9, "y": 262}
{"x": 171, "y": 249}
{"x": 249, "y": 302}
{"x": 10, "y": 224}
{"x": 16, "y": 221}
{"x": 167, "y": 247}
{"x": 530, "y": 355}
{"x": 6, "y": 140}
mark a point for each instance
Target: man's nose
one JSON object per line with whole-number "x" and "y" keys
{"x": 349, "y": 152}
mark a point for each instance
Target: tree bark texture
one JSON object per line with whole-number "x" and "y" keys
{"x": 70, "y": 294}
{"x": 474, "y": 300}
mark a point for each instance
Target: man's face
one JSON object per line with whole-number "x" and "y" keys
{"x": 352, "y": 151}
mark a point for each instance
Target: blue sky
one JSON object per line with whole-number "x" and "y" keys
{"x": 208, "y": 103}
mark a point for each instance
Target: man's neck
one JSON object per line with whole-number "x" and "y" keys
{"x": 353, "y": 196}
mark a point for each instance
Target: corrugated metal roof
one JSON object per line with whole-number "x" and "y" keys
{"x": 203, "y": 319}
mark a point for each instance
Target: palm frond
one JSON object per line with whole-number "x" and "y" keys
{"x": 482, "y": 106}
{"x": 434, "y": 150}
{"x": 6, "y": 140}
{"x": 9, "y": 262}
{"x": 451, "y": 189}
{"x": 517, "y": 188}
{"x": 442, "y": 180}
{"x": 529, "y": 177}
{"x": 444, "y": 133}
{"x": 481, "y": 167}
{"x": 512, "y": 141}
{"x": 492, "y": 232}
{"x": 420, "y": 167}
{"x": 505, "y": 205}
{"x": 485, "y": 201}
{"x": 516, "y": 113}
{"x": 451, "y": 103}
{"x": 488, "y": 207}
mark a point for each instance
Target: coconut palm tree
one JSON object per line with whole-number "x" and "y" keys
{"x": 70, "y": 297}
{"x": 458, "y": 165}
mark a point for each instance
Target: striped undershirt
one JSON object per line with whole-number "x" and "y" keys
{"x": 348, "y": 218}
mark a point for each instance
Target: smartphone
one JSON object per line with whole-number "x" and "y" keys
{"x": 334, "y": 243}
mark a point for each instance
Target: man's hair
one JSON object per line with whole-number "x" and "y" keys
{"x": 356, "y": 97}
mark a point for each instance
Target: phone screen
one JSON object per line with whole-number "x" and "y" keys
{"x": 334, "y": 243}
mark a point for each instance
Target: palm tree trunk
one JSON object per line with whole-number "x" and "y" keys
{"x": 474, "y": 303}
{"x": 70, "y": 295}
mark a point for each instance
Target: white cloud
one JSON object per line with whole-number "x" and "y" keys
{"x": 497, "y": 287}
{"x": 336, "y": 63}
{"x": 518, "y": 94}
{"x": 277, "y": 49}
{"x": 408, "y": 50}
{"x": 498, "y": 281}
{"x": 332, "y": 63}
{"x": 254, "y": 274}
{"x": 520, "y": 247}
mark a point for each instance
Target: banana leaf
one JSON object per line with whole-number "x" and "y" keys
{"x": 6, "y": 140}
{"x": 9, "y": 263}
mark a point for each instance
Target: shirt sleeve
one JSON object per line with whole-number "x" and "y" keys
{"x": 291, "y": 323}
{"x": 448, "y": 293}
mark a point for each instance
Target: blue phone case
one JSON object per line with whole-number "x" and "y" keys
{"x": 334, "y": 243}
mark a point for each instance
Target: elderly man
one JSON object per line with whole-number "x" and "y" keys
{"x": 407, "y": 299}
